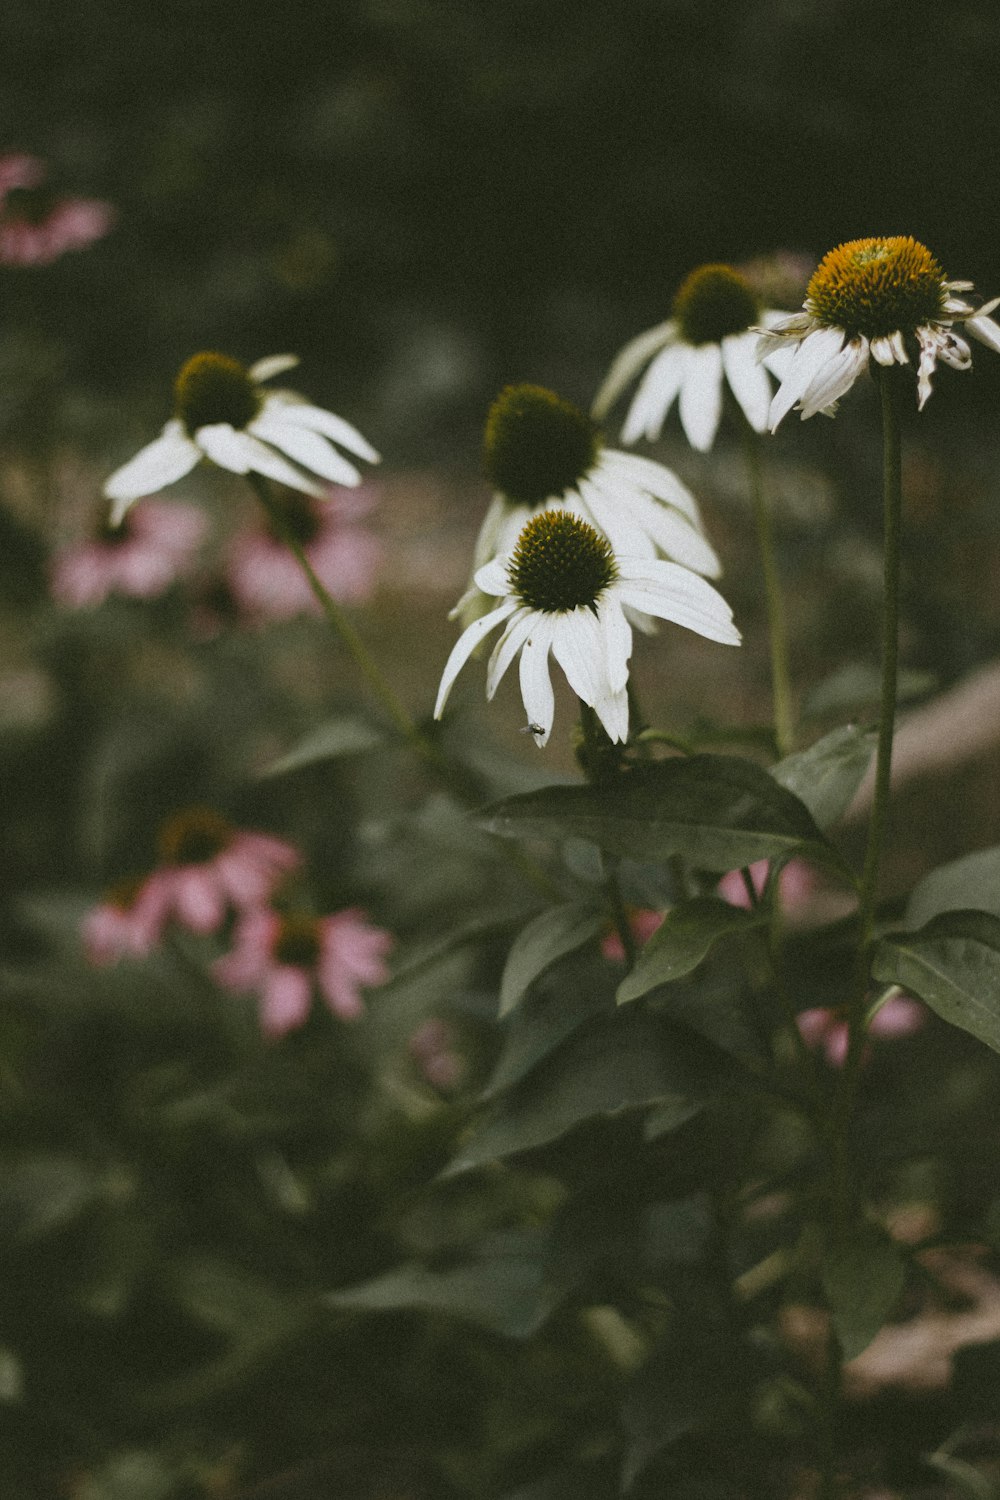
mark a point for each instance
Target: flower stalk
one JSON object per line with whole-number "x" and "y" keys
{"x": 781, "y": 692}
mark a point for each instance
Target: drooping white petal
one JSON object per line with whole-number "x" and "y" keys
{"x": 612, "y": 710}
{"x": 617, "y": 636}
{"x": 464, "y": 647}
{"x": 163, "y": 461}
{"x": 984, "y": 329}
{"x": 674, "y": 593}
{"x": 603, "y": 508}
{"x": 673, "y": 535}
{"x": 307, "y": 448}
{"x": 656, "y": 394}
{"x": 656, "y": 478}
{"x": 518, "y": 628}
{"x": 319, "y": 420}
{"x": 271, "y": 365}
{"x": 243, "y": 454}
{"x": 536, "y": 685}
{"x": 833, "y": 379}
{"x": 954, "y": 350}
{"x": 701, "y": 396}
{"x": 927, "y": 365}
{"x": 815, "y": 350}
{"x": 627, "y": 364}
{"x": 578, "y": 647}
{"x": 747, "y": 378}
{"x": 492, "y": 577}
{"x": 882, "y": 351}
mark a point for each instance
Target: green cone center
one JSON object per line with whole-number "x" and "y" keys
{"x": 297, "y": 941}
{"x": 537, "y": 446}
{"x": 213, "y": 388}
{"x": 561, "y": 563}
{"x": 713, "y": 302}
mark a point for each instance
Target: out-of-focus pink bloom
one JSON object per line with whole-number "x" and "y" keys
{"x": 19, "y": 170}
{"x": 156, "y": 543}
{"x": 36, "y": 226}
{"x": 285, "y": 957}
{"x": 432, "y": 1047}
{"x": 265, "y": 578}
{"x": 825, "y": 1029}
{"x": 118, "y": 928}
{"x": 642, "y": 923}
{"x": 796, "y": 884}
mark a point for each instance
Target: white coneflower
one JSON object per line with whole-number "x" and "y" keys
{"x": 885, "y": 300}
{"x": 563, "y": 589}
{"x": 223, "y": 413}
{"x": 710, "y": 341}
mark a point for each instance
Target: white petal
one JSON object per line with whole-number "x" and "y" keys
{"x": 578, "y": 647}
{"x": 656, "y": 394}
{"x": 166, "y": 459}
{"x": 656, "y": 478}
{"x": 603, "y": 509}
{"x": 612, "y": 710}
{"x": 617, "y": 633}
{"x": 747, "y": 379}
{"x": 464, "y": 647}
{"x": 815, "y": 350}
{"x": 318, "y": 420}
{"x": 701, "y": 396}
{"x": 926, "y": 367}
{"x": 519, "y": 627}
{"x": 985, "y": 330}
{"x": 243, "y": 454}
{"x": 835, "y": 378}
{"x": 882, "y": 351}
{"x": 673, "y": 535}
{"x": 674, "y": 593}
{"x": 271, "y": 365}
{"x": 307, "y": 448}
{"x": 536, "y": 685}
{"x": 627, "y": 364}
{"x": 954, "y": 351}
{"x": 492, "y": 577}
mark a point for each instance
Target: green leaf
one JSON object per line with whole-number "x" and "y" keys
{"x": 858, "y": 686}
{"x": 537, "y": 1028}
{"x": 344, "y": 734}
{"x": 826, "y": 776}
{"x": 719, "y": 811}
{"x": 953, "y": 965}
{"x": 547, "y": 938}
{"x": 863, "y": 1276}
{"x": 969, "y": 883}
{"x": 626, "y": 1063}
{"x": 502, "y": 1290}
{"x": 686, "y": 936}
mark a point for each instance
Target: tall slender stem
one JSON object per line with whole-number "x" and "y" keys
{"x": 781, "y": 690}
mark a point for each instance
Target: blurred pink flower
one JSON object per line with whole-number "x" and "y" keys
{"x": 432, "y": 1047}
{"x": 796, "y": 884}
{"x": 265, "y": 578}
{"x": 643, "y": 923}
{"x": 118, "y": 928}
{"x": 37, "y": 226}
{"x": 284, "y": 957}
{"x": 824, "y": 1029}
{"x": 155, "y": 544}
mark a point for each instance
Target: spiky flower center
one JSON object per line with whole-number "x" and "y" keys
{"x": 878, "y": 286}
{"x": 537, "y": 446}
{"x": 193, "y": 836}
{"x": 713, "y": 302}
{"x": 213, "y": 388}
{"x": 561, "y": 563}
{"x": 297, "y": 941}
{"x": 301, "y": 517}
{"x": 123, "y": 893}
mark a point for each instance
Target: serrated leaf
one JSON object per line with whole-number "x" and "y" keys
{"x": 685, "y": 937}
{"x": 863, "y": 1276}
{"x": 345, "y": 734}
{"x": 719, "y": 811}
{"x": 826, "y": 776}
{"x": 971, "y": 883}
{"x": 625, "y": 1064}
{"x": 502, "y": 1290}
{"x": 953, "y": 965}
{"x": 546, "y": 939}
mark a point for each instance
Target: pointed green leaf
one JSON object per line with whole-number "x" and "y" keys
{"x": 826, "y": 776}
{"x": 344, "y": 734}
{"x": 547, "y": 938}
{"x": 685, "y": 937}
{"x": 719, "y": 811}
{"x": 953, "y": 965}
{"x": 540, "y": 1025}
{"x": 971, "y": 883}
{"x": 863, "y": 1276}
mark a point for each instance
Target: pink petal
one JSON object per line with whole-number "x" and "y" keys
{"x": 285, "y": 1001}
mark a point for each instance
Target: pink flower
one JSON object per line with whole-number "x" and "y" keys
{"x": 432, "y": 1047}
{"x": 796, "y": 884}
{"x": 642, "y": 922}
{"x": 19, "y": 170}
{"x": 118, "y": 928}
{"x": 36, "y": 226}
{"x": 286, "y": 957}
{"x": 155, "y": 544}
{"x": 824, "y": 1029}
{"x": 266, "y": 579}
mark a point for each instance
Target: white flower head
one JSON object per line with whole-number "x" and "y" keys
{"x": 885, "y": 300}
{"x": 709, "y": 342}
{"x": 542, "y": 453}
{"x": 564, "y": 589}
{"x": 223, "y": 413}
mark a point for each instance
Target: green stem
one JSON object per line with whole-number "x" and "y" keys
{"x": 781, "y": 691}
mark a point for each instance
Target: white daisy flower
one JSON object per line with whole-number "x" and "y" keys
{"x": 223, "y": 413}
{"x": 564, "y": 589}
{"x": 880, "y": 299}
{"x": 542, "y": 453}
{"x": 708, "y": 343}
